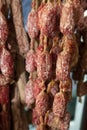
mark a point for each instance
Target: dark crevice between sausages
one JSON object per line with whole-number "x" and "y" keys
{"x": 0, "y": 108}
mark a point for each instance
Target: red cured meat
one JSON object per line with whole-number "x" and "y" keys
{"x": 63, "y": 67}
{"x": 29, "y": 96}
{"x": 44, "y": 66}
{"x": 55, "y": 50}
{"x": 64, "y": 123}
{"x": 42, "y": 103}
{"x": 30, "y": 61}
{"x": 4, "y": 80}
{"x": 48, "y": 19}
{"x": 59, "y": 105}
{"x": 49, "y": 118}
{"x": 4, "y": 94}
{"x": 58, "y": 123}
{"x": 32, "y": 24}
{"x": 3, "y": 29}
{"x": 39, "y": 50}
{"x": 67, "y": 22}
{"x": 7, "y": 64}
{"x": 35, "y": 117}
{"x": 67, "y": 59}
{"x": 38, "y": 87}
